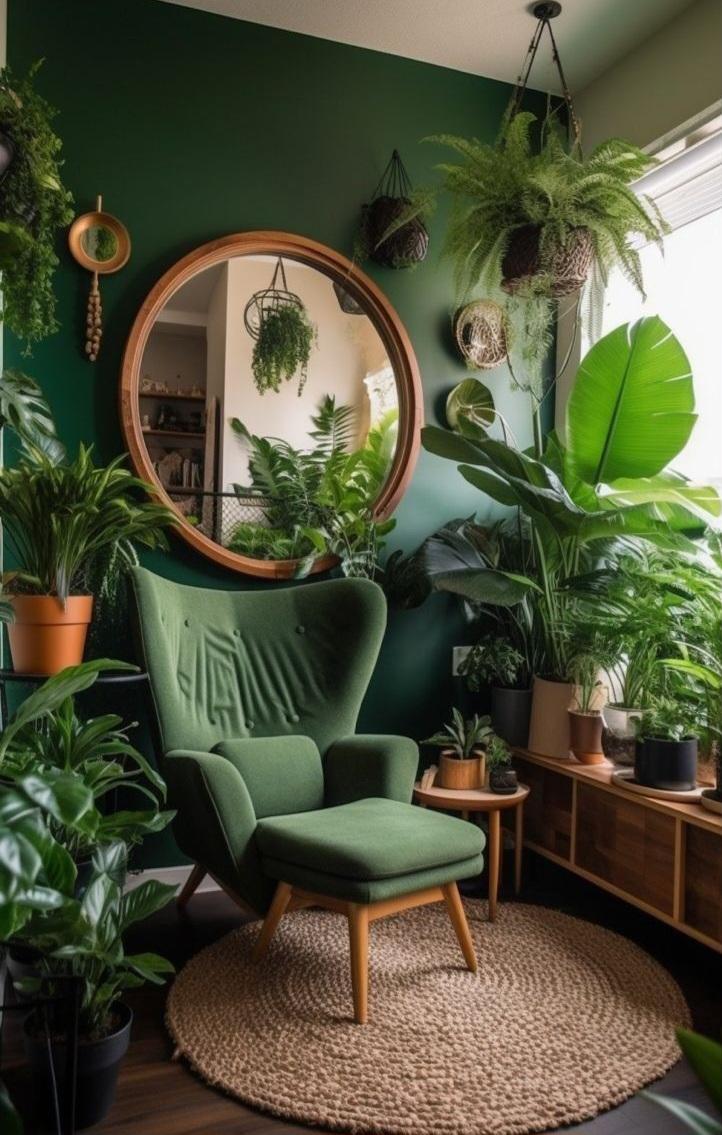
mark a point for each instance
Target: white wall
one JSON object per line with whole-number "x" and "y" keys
{"x": 671, "y": 77}
{"x": 346, "y": 350}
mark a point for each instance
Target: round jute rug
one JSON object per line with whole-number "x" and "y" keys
{"x": 563, "y": 1020}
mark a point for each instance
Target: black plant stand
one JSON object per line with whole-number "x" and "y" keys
{"x": 110, "y": 678}
{"x": 64, "y": 1123}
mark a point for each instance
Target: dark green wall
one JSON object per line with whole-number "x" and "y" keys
{"x": 193, "y": 126}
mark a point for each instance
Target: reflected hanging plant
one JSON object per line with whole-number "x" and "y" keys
{"x": 276, "y": 318}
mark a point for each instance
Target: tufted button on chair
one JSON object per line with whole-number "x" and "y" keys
{"x": 277, "y": 797}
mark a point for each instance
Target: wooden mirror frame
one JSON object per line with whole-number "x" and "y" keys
{"x": 339, "y": 269}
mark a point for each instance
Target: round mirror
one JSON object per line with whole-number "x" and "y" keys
{"x": 266, "y": 383}
{"x": 99, "y": 242}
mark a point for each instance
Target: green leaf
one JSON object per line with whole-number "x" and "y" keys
{"x": 145, "y": 900}
{"x": 150, "y": 967}
{"x": 692, "y": 1118}
{"x": 497, "y": 588}
{"x": 63, "y": 795}
{"x": 631, "y": 410}
{"x": 10, "y": 1123}
{"x": 705, "y": 1056}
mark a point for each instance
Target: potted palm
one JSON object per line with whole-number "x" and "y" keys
{"x": 496, "y": 663}
{"x": 59, "y": 517}
{"x": 462, "y": 743}
{"x": 666, "y": 751}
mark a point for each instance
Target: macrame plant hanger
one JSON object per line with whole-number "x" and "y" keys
{"x": 270, "y": 299}
{"x": 544, "y": 14}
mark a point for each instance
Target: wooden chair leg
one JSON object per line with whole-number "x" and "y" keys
{"x": 276, "y": 911}
{"x": 191, "y": 885}
{"x": 457, "y": 915}
{"x": 358, "y": 925}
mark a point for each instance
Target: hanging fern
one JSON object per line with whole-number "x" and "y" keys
{"x": 283, "y": 348}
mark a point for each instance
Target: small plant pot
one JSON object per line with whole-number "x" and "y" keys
{"x": 567, "y": 267}
{"x": 503, "y": 780}
{"x": 549, "y": 724}
{"x": 711, "y": 799}
{"x": 47, "y": 635}
{"x": 510, "y": 713}
{"x": 462, "y": 775}
{"x": 670, "y": 765}
{"x": 585, "y": 737}
{"x": 98, "y": 1065}
{"x": 619, "y": 734}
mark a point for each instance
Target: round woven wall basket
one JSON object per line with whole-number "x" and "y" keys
{"x": 480, "y": 330}
{"x": 567, "y": 267}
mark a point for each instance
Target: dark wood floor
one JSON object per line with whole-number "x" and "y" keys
{"x": 158, "y": 1097}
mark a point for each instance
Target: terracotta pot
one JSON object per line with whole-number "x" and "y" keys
{"x": 462, "y": 775}
{"x": 549, "y": 726}
{"x": 48, "y": 635}
{"x": 585, "y": 737}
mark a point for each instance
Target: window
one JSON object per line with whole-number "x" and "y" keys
{"x": 684, "y": 285}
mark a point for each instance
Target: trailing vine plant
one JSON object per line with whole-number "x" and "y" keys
{"x": 34, "y": 204}
{"x": 283, "y": 348}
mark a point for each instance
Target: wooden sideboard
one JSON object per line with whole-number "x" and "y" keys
{"x": 664, "y": 857}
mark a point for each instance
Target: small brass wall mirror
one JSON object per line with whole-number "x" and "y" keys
{"x": 101, "y": 244}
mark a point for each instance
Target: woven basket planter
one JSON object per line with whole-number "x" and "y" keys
{"x": 480, "y": 331}
{"x": 407, "y": 246}
{"x": 567, "y": 267}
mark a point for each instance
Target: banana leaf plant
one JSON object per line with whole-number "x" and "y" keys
{"x": 630, "y": 413}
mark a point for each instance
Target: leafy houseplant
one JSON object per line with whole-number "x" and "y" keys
{"x": 502, "y": 777}
{"x": 666, "y": 752}
{"x": 283, "y": 348}
{"x": 533, "y": 220}
{"x": 497, "y": 663}
{"x": 630, "y": 412}
{"x": 71, "y": 935}
{"x": 585, "y": 714}
{"x": 705, "y": 1056}
{"x": 321, "y": 500}
{"x": 462, "y": 744}
{"x": 59, "y": 517}
{"x": 33, "y": 206}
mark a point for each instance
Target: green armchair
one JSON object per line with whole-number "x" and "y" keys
{"x": 257, "y": 695}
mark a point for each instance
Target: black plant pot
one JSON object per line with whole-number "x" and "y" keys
{"x": 503, "y": 781}
{"x": 669, "y": 765}
{"x": 510, "y": 713}
{"x": 7, "y": 153}
{"x": 98, "y": 1065}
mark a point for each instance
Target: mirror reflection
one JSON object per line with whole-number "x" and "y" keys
{"x": 268, "y": 406}
{"x": 99, "y": 243}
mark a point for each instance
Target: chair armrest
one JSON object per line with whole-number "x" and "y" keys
{"x": 370, "y": 765}
{"x": 216, "y": 822}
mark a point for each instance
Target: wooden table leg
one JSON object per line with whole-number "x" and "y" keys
{"x": 518, "y": 845}
{"x": 494, "y": 859}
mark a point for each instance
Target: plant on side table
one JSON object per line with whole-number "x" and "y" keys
{"x": 59, "y": 518}
{"x": 462, "y": 743}
{"x": 502, "y": 777}
{"x": 496, "y": 663}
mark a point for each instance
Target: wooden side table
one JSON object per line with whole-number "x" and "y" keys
{"x": 479, "y": 800}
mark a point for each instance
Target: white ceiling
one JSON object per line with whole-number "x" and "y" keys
{"x": 483, "y": 37}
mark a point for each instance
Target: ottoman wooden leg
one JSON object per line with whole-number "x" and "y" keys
{"x": 358, "y": 926}
{"x": 457, "y": 914}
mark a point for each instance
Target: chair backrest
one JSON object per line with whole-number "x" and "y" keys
{"x": 232, "y": 664}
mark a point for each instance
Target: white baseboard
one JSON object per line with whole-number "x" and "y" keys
{"x": 173, "y": 876}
